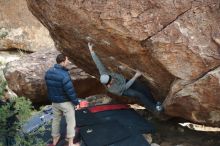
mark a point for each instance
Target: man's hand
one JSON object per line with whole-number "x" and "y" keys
{"x": 78, "y": 107}
{"x": 90, "y": 45}
{"x": 138, "y": 74}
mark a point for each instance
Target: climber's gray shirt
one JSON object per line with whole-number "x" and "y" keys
{"x": 119, "y": 84}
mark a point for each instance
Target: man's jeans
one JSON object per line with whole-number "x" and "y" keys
{"x": 66, "y": 109}
{"x": 144, "y": 95}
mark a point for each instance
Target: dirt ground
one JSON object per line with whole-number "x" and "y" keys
{"x": 170, "y": 133}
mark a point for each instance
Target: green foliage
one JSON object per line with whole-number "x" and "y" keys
{"x": 23, "y": 109}
{"x": 2, "y": 87}
{"x": 13, "y": 115}
{"x": 29, "y": 141}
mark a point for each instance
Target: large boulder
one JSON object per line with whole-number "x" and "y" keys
{"x": 26, "y": 77}
{"x": 189, "y": 49}
{"x": 19, "y": 29}
{"x": 174, "y": 43}
{"x": 197, "y": 101}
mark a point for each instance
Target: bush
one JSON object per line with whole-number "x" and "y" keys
{"x": 2, "y": 87}
{"x": 13, "y": 115}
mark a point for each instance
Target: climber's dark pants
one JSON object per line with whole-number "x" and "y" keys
{"x": 144, "y": 95}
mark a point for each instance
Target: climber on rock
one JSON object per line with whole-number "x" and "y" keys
{"x": 117, "y": 84}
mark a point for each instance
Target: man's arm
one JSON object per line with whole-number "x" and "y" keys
{"x": 132, "y": 80}
{"x": 102, "y": 69}
{"x": 70, "y": 91}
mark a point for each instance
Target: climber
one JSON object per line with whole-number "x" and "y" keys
{"x": 117, "y": 84}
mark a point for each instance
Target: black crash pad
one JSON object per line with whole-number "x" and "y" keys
{"x": 128, "y": 118}
{"x": 134, "y": 140}
{"x": 137, "y": 140}
{"x": 104, "y": 134}
{"x": 84, "y": 118}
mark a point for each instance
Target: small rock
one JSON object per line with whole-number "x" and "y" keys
{"x": 98, "y": 100}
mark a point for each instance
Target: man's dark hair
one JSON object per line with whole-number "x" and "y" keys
{"x": 60, "y": 58}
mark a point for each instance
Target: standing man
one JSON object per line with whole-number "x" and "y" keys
{"x": 117, "y": 84}
{"x": 63, "y": 97}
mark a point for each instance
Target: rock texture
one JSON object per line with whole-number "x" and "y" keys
{"x": 26, "y": 77}
{"x": 197, "y": 101}
{"x": 19, "y": 29}
{"x": 174, "y": 43}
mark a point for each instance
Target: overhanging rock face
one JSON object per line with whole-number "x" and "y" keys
{"x": 174, "y": 43}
